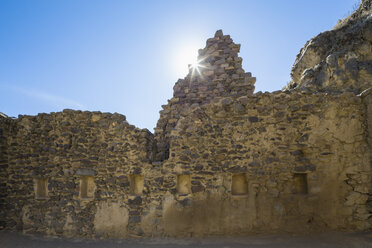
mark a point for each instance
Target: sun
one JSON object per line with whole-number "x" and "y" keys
{"x": 195, "y": 68}
{"x": 185, "y": 58}
{"x": 195, "y": 65}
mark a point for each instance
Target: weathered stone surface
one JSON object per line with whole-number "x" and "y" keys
{"x": 111, "y": 220}
{"x": 339, "y": 59}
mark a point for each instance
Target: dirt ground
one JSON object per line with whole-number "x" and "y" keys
{"x": 339, "y": 240}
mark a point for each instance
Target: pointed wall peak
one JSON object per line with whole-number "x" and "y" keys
{"x": 219, "y": 73}
{"x": 218, "y": 33}
{"x": 219, "y": 67}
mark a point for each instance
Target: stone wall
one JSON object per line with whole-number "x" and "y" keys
{"x": 223, "y": 161}
{"x": 6, "y": 131}
{"x": 303, "y": 157}
{"x": 52, "y": 157}
{"x": 273, "y": 162}
{"x": 219, "y": 72}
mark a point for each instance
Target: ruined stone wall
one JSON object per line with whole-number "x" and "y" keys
{"x": 223, "y": 161}
{"x": 273, "y": 162}
{"x": 6, "y": 131}
{"x": 303, "y": 159}
{"x": 69, "y": 173}
{"x": 219, "y": 72}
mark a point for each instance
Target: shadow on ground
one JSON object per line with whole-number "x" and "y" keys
{"x": 339, "y": 240}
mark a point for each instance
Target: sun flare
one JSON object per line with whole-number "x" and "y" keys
{"x": 186, "y": 57}
{"x": 196, "y": 68}
{"x": 194, "y": 65}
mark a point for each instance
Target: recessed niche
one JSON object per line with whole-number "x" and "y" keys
{"x": 136, "y": 184}
{"x": 300, "y": 183}
{"x": 41, "y": 188}
{"x": 183, "y": 184}
{"x": 239, "y": 184}
{"x": 87, "y": 187}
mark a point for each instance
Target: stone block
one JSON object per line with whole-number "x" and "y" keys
{"x": 86, "y": 172}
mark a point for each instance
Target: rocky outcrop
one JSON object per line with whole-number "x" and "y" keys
{"x": 339, "y": 59}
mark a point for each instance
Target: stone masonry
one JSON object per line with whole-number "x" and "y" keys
{"x": 220, "y": 73}
{"x": 223, "y": 160}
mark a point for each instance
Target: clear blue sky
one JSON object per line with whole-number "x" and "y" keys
{"x": 125, "y": 56}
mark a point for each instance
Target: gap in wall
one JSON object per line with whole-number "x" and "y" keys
{"x": 87, "y": 187}
{"x": 41, "y": 188}
{"x": 300, "y": 185}
{"x": 136, "y": 184}
{"x": 183, "y": 184}
{"x": 239, "y": 184}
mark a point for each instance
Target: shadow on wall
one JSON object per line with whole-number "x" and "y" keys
{"x": 111, "y": 220}
{"x": 209, "y": 214}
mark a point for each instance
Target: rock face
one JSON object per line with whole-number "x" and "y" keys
{"x": 339, "y": 59}
{"x": 223, "y": 161}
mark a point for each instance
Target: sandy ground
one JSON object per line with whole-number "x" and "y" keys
{"x": 339, "y": 240}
